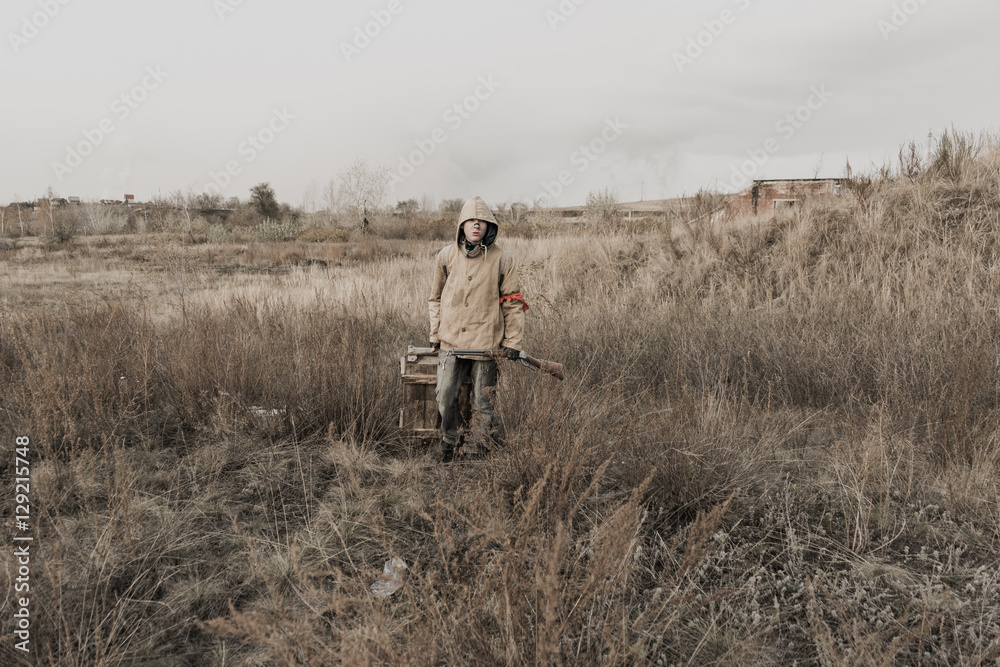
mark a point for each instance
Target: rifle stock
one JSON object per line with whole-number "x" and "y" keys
{"x": 549, "y": 367}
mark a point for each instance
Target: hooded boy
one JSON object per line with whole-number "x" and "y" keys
{"x": 476, "y": 304}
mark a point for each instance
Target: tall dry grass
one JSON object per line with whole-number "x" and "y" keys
{"x": 778, "y": 443}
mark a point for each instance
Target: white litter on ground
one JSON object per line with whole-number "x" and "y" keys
{"x": 265, "y": 412}
{"x": 392, "y": 578}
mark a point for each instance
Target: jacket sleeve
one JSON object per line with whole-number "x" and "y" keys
{"x": 513, "y": 311}
{"x": 434, "y": 303}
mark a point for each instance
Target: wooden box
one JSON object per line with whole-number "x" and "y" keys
{"x": 419, "y": 419}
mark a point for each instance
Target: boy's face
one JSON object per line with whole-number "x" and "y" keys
{"x": 474, "y": 230}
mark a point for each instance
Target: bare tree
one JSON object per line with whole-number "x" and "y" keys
{"x": 208, "y": 201}
{"x": 541, "y": 211}
{"x": 427, "y": 204}
{"x": 453, "y": 206}
{"x": 365, "y": 190}
{"x": 514, "y": 213}
{"x": 20, "y": 219}
{"x": 184, "y": 202}
{"x": 330, "y": 202}
{"x": 309, "y": 198}
{"x": 45, "y": 209}
{"x": 62, "y": 223}
{"x": 818, "y": 167}
{"x": 703, "y": 205}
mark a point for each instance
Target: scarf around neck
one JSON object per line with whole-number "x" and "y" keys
{"x": 472, "y": 250}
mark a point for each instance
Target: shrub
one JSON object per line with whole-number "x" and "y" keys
{"x": 218, "y": 233}
{"x": 270, "y": 230}
{"x": 324, "y": 235}
{"x": 778, "y": 442}
{"x": 602, "y": 207}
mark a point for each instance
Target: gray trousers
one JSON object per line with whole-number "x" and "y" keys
{"x": 451, "y": 373}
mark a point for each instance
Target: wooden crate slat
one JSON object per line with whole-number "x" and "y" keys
{"x": 420, "y": 379}
{"x": 419, "y": 418}
{"x": 420, "y": 368}
{"x": 409, "y": 420}
{"x": 431, "y": 416}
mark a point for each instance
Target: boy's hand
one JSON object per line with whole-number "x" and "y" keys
{"x": 512, "y": 354}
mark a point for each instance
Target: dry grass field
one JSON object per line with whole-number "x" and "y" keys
{"x": 777, "y": 443}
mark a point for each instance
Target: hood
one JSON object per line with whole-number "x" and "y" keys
{"x": 476, "y": 209}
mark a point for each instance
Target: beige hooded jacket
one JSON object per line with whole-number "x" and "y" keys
{"x": 466, "y": 310}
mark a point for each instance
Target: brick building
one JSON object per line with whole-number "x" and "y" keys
{"x": 767, "y": 197}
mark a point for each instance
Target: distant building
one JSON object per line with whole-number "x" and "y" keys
{"x": 767, "y": 197}
{"x": 651, "y": 208}
{"x": 129, "y": 199}
{"x": 74, "y": 200}
{"x": 55, "y": 202}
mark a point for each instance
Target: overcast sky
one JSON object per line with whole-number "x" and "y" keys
{"x": 509, "y": 100}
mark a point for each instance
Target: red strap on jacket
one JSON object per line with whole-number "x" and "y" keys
{"x": 516, "y": 296}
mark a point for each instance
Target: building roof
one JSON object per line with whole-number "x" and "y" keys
{"x": 798, "y": 180}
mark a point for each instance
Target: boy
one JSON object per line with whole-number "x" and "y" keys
{"x": 476, "y": 304}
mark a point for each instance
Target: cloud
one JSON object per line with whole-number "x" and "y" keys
{"x": 606, "y": 60}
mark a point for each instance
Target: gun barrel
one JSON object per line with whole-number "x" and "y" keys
{"x": 549, "y": 367}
